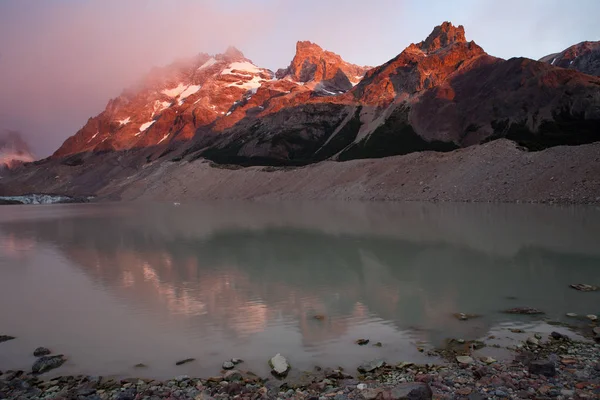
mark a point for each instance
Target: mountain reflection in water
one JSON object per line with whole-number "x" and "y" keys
{"x": 252, "y": 276}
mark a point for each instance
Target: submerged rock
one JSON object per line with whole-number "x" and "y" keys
{"x": 279, "y": 365}
{"x": 46, "y": 363}
{"x": 523, "y": 311}
{"x": 6, "y": 338}
{"x": 464, "y": 316}
{"x": 228, "y": 365}
{"x": 41, "y": 351}
{"x": 592, "y": 317}
{"x": 582, "y": 287}
{"x": 465, "y": 360}
{"x": 362, "y": 342}
{"x": 187, "y": 360}
{"x": 370, "y": 366}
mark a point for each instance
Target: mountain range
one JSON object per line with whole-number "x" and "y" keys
{"x": 442, "y": 94}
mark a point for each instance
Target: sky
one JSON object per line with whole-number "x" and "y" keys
{"x": 62, "y": 60}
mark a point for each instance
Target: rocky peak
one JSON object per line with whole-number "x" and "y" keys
{"x": 312, "y": 63}
{"x": 232, "y": 54}
{"x": 443, "y": 35}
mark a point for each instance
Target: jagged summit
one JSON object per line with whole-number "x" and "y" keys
{"x": 442, "y": 36}
{"x": 312, "y": 63}
{"x": 439, "y": 94}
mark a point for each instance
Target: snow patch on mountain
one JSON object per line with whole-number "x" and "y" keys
{"x": 92, "y": 138}
{"x": 174, "y": 92}
{"x": 163, "y": 138}
{"x": 253, "y": 83}
{"x": 144, "y": 127}
{"x": 207, "y": 64}
{"x": 244, "y": 66}
{"x": 125, "y": 121}
{"x": 190, "y": 90}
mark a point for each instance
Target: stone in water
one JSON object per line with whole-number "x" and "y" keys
{"x": 279, "y": 365}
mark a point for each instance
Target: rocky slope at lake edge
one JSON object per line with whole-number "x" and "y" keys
{"x": 496, "y": 171}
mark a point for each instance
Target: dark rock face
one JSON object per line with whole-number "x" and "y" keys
{"x": 583, "y": 57}
{"x": 542, "y": 367}
{"x": 47, "y": 363}
{"x": 312, "y": 63}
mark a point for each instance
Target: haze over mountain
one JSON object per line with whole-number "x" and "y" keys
{"x": 54, "y": 79}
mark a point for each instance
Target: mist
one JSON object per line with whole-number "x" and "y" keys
{"x": 14, "y": 149}
{"x": 62, "y": 60}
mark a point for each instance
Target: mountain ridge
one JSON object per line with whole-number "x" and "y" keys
{"x": 441, "y": 94}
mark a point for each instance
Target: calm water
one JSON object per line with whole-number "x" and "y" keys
{"x": 111, "y": 286}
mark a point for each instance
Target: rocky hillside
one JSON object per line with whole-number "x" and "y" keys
{"x": 583, "y": 57}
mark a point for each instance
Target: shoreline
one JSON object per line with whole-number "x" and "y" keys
{"x": 543, "y": 366}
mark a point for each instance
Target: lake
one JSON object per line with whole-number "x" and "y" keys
{"x": 114, "y": 285}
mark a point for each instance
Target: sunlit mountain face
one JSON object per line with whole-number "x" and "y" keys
{"x": 440, "y": 94}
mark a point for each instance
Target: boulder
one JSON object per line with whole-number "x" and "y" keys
{"x": 279, "y": 365}
{"x": 46, "y": 363}
{"x": 41, "y": 351}
{"x": 228, "y": 365}
{"x": 370, "y": 366}
{"x": 233, "y": 376}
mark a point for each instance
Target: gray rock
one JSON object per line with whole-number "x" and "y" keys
{"x": 237, "y": 361}
{"x": 279, "y": 365}
{"x": 542, "y": 367}
{"x": 411, "y": 391}
{"x": 41, "y": 351}
{"x": 228, "y": 365}
{"x": 127, "y": 394}
{"x": 370, "y": 366}
{"x": 233, "y": 376}
{"x": 533, "y": 341}
{"x": 464, "y": 360}
{"x": 46, "y": 363}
